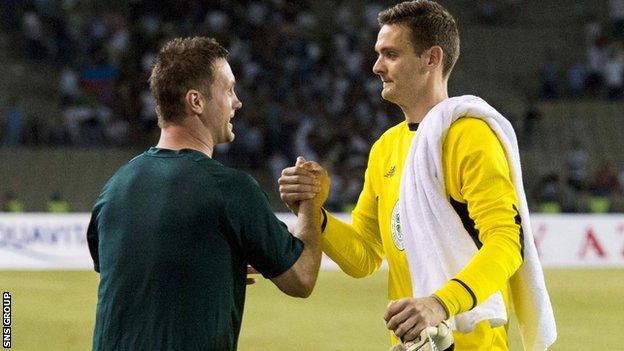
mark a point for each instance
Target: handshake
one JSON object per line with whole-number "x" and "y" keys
{"x": 306, "y": 180}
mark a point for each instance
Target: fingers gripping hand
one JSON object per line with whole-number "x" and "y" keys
{"x": 408, "y": 317}
{"x": 297, "y": 184}
{"x": 321, "y": 177}
{"x": 304, "y": 181}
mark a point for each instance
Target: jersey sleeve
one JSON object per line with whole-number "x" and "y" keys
{"x": 265, "y": 240}
{"x": 478, "y": 179}
{"x": 93, "y": 239}
{"x": 356, "y": 247}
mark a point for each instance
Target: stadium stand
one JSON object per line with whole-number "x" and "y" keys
{"x": 75, "y": 75}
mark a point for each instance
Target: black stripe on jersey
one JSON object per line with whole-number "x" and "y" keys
{"x": 518, "y": 221}
{"x": 324, "y": 224}
{"x": 462, "y": 211}
{"x": 474, "y": 298}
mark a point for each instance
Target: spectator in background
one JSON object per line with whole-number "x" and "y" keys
{"x": 597, "y": 55}
{"x": 14, "y": 124}
{"x": 614, "y": 73}
{"x": 119, "y": 38}
{"x": 64, "y": 47}
{"x": 10, "y": 203}
{"x": 577, "y": 75}
{"x": 148, "y": 118}
{"x": 548, "y": 194}
{"x": 34, "y": 40}
{"x": 593, "y": 30}
{"x": 605, "y": 181}
{"x": 56, "y": 204}
{"x": 576, "y": 166}
{"x": 616, "y": 12}
{"x": 69, "y": 87}
{"x": 602, "y": 189}
{"x": 549, "y": 81}
{"x": 532, "y": 119}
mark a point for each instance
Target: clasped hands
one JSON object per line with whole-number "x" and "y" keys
{"x": 306, "y": 180}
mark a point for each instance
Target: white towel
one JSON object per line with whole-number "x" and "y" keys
{"x": 438, "y": 246}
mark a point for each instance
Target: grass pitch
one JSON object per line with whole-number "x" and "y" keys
{"x": 55, "y": 311}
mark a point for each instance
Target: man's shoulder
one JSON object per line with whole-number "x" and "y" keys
{"x": 390, "y": 135}
{"x": 470, "y": 128}
{"x": 236, "y": 180}
{"x": 393, "y": 131}
{"x": 126, "y": 168}
{"x": 469, "y": 124}
{"x": 471, "y": 134}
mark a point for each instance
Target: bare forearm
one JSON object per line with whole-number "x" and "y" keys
{"x": 309, "y": 232}
{"x": 300, "y": 279}
{"x": 308, "y": 228}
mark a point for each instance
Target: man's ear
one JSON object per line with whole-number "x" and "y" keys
{"x": 436, "y": 57}
{"x": 194, "y": 101}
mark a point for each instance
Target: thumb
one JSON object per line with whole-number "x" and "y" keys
{"x": 300, "y": 161}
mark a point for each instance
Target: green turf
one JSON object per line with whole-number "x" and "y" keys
{"x": 55, "y": 311}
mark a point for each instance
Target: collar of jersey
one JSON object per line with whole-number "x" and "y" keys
{"x": 159, "y": 152}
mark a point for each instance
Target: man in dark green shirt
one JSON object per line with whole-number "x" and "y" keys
{"x": 173, "y": 231}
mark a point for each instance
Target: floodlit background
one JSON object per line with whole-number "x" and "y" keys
{"x": 75, "y": 105}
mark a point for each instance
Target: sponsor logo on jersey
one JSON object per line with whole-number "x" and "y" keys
{"x": 391, "y": 172}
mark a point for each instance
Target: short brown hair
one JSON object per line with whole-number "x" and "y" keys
{"x": 430, "y": 24}
{"x": 182, "y": 64}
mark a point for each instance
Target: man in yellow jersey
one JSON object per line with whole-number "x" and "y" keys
{"x": 417, "y": 47}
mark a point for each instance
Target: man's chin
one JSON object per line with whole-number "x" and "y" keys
{"x": 387, "y": 95}
{"x": 228, "y": 138}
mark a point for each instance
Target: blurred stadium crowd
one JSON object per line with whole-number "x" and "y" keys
{"x": 303, "y": 74}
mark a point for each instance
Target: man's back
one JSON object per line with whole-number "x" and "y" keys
{"x": 172, "y": 251}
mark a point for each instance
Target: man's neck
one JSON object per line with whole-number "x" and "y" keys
{"x": 416, "y": 112}
{"x": 181, "y": 136}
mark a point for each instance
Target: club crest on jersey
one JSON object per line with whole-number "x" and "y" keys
{"x": 395, "y": 223}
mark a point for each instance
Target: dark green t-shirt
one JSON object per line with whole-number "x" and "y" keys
{"x": 171, "y": 234}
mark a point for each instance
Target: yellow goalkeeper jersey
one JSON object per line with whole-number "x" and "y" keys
{"x": 479, "y": 187}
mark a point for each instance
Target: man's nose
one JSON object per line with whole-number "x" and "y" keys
{"x": 378, "y": 67}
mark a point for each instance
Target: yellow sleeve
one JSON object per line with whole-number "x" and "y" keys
{"x": 478, "y": 179}
{"x": 356, "y": 247}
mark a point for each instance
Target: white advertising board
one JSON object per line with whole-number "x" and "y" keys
{"x": 49, "y": 241}
{"x": 32, "y": 241}
{"x": 579, "y": 240}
